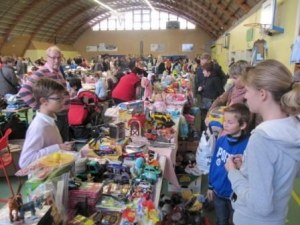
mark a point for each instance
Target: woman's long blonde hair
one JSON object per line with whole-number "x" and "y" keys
{"x": 274, "y": 77}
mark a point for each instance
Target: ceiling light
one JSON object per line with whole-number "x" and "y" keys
{"x": 148, "y": 3}
{"x": 106, "y": 6}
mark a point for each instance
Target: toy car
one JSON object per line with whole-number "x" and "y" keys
{"x": 145, "y": 186}
{"x": 117, "y": 168}
{"x": 133, "y": 155}
{"x": 122, "y": 178}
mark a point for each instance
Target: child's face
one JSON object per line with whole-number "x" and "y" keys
{"x": 54, "y": 103}
{"x": 231, "y": 124}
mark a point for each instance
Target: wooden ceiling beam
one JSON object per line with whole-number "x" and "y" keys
{"x": 195, "y": 5}
{"x": 51, "y": 14}
{"x": 44, "y": 21}
{"x": 223, "y": 9}
{"x": 62, "y": 26}
{"x": 82, "y": 24}
{"x": 15, "y": 22}
{"x": 243, "y": 5}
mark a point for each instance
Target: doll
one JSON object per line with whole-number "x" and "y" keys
{"x": 159, "y": 104}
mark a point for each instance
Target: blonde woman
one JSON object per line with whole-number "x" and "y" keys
{"x": 263, "y": 180}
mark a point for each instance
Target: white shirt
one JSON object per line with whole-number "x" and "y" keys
{"x": 42, "y": 138}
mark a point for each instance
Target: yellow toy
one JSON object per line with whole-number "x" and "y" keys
{"x": 216, "y": 116}
{"x": 192, "y": 202}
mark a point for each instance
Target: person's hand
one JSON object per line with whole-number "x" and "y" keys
{"x": 230, "y": 165}
{"x": 210, "y": 195}
{"x": 200, "y": 88}
{"x": 67, "y": 146}
{"x": 238, "y": 160}
{"x": 206, "y": 121}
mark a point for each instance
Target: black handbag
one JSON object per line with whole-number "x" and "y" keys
{"x": 18, "y": 127}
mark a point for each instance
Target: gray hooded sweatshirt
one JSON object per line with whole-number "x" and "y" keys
{"x": 264, "y": 183}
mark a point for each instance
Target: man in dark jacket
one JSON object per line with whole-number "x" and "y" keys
{"x": 217, "y": 70}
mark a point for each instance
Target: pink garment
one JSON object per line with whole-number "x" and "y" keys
{"x": 237, "y": 94}
{"x": 146, "y": 83}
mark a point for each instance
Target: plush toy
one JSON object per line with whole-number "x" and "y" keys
{"x": 137, "y": 169}
{"x": 159, "y": 104}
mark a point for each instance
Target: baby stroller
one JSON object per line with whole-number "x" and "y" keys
{"x": 84, "y": 113}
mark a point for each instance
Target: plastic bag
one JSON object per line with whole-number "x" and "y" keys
{"x": 205, "y": 150}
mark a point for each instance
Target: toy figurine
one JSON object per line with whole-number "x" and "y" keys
{"x": 137, "y": 169}
{"x": 14, "y": 204}
{"x": 30, "y": 206}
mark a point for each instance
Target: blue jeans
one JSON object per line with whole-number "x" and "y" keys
{"x": 223, "y": 210}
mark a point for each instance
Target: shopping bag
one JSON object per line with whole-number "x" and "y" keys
{"x": 205, "y": 150}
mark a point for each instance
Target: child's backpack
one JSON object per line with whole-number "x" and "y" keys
{"x": 205, "y": 150}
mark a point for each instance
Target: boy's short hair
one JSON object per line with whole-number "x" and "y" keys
{"x": 241, "y": 112}
{"x": 46, "y": 87}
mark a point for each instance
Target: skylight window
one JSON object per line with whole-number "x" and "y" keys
{"x": 140, "y": 20}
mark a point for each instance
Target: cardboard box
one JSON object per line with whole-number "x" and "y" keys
{"x": 133, "y": 106}
{"x": 127, "y": 109}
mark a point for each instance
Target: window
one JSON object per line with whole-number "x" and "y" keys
{"x": 112, "y": 23}
{"x": 139, "y": 20}
{"x": 103, "y": 25}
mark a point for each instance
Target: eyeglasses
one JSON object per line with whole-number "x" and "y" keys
{"x": 54, "y": 57}
{"x": 58, "y": 99}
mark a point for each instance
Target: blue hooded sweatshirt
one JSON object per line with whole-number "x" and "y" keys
{"x": 226, "y": 146}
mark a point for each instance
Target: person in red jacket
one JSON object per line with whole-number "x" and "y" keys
{"x": 127, "y": 87}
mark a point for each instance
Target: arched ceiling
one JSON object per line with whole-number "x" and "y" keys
{"x": 64, "y": 21}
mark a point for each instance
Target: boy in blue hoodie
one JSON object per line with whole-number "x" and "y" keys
{"x": 236, "y": 120}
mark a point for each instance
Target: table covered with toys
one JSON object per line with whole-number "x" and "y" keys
{"x": 116, "y": 178}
